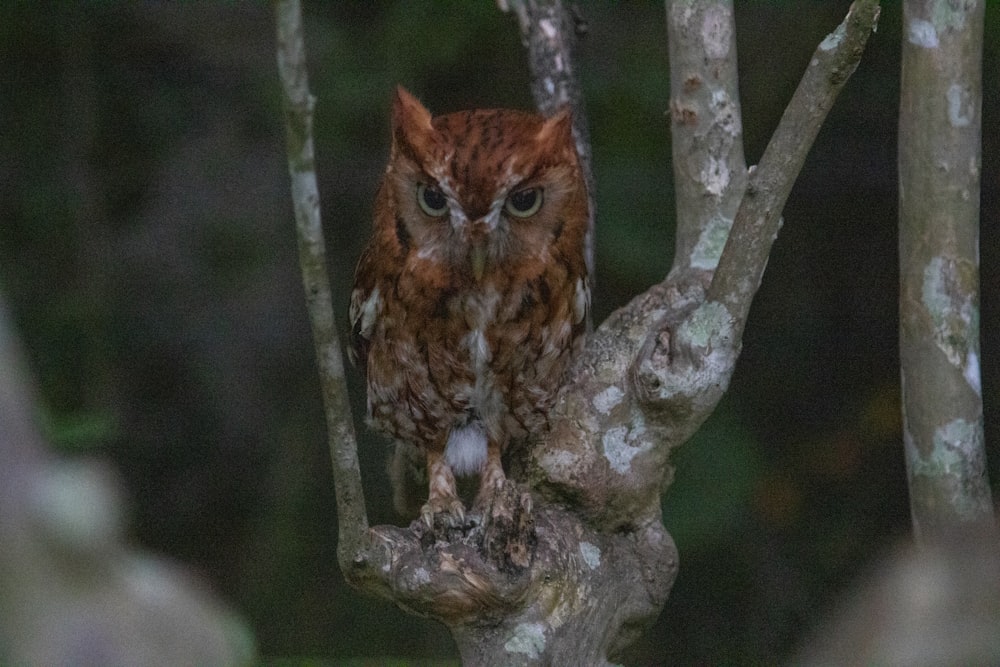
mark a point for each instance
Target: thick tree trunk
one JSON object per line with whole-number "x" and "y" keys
{"x": 589, "y": 594}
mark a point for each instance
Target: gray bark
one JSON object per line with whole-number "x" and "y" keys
{"x": 939, "y": 166}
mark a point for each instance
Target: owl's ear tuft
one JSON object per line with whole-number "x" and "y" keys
{"x": 411, "y": 122}
{"x": 557, "y": 131}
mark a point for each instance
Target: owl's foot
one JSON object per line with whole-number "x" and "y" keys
{"x": 442, "y": 499}
{"x": 491, "y": 480}
{"x": 450, "y": 510}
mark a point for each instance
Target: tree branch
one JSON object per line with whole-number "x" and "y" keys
{"x": 686, "y": 361}
{"x": 759, "y": 216}
{"x": 298, "y": 104}
{"x": 939, "y": 166}
{"x": 710, "y": 172}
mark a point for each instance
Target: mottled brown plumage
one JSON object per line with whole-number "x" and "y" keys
{"x": 471, "y": 296}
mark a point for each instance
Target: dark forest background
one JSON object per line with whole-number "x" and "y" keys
{"x": 147, "y": 250}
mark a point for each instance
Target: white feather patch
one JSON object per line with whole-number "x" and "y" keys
{"x": 479, "y": 350}
{"x": 581, "y": 301}
{"x": 466, "y": 448}
{"x": 366, "y": 312}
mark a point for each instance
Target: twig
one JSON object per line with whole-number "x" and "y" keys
{"x": 298, "y": 102}
{"x": 759, "y": 216}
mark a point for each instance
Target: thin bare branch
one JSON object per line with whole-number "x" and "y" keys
{"x": 710, "y": 172}
{"x": 298, "y": 103}
{"x": 939, "y": 167}
{"x": 759, "y": 216}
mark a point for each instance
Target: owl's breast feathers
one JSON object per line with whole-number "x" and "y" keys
{"x": 439, "y": 351}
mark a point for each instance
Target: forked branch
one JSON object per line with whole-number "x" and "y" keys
{"x": 758, "y": 219}
{"x": 688, "y": 358}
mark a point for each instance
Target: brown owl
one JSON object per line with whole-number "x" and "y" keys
{"x": 471, "y": 296}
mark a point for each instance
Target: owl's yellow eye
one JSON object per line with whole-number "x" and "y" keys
{"x": 524, "y": 203}
{"x": 431, "y": 200}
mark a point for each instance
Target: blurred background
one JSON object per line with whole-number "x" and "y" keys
{"x": 147, "y": 250}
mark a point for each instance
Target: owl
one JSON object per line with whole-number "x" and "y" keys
{"x": 471, "y": 298}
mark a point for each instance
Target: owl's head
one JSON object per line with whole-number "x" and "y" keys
{"x": 484, "y": 190}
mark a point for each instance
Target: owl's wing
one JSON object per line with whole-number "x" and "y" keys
{"x": 366, "y": 306}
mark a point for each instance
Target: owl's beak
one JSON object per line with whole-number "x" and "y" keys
{"x": 479, "y": 233}
{"x": 477, "y": 255}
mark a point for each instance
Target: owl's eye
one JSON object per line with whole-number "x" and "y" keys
{"x": 431, "y": 201}
{"x": 524, "y": 203}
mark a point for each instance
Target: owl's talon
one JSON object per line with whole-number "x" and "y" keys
{"x": 450, "y": 510}
{"x": 526, "y": 503}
